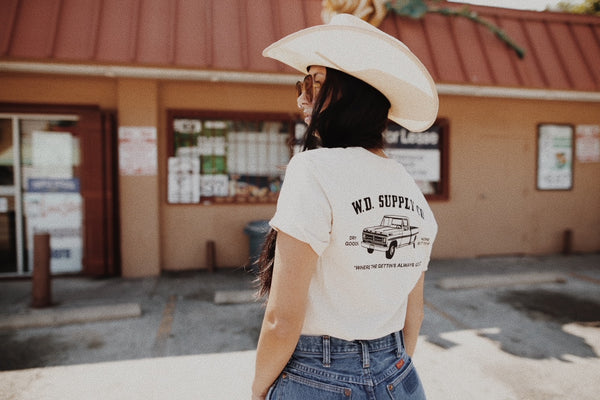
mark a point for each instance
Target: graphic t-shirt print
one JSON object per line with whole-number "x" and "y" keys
{"x": 399, "y": 227}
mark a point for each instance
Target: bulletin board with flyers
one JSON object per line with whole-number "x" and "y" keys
{"x": 227, "y": 158}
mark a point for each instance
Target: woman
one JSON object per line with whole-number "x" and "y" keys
{"x": 353, "y": 232}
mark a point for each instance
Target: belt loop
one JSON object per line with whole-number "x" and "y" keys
{"x": 365, "y": 354}
{"x": 399, "y": 343}
{"x": 326, "y": 351}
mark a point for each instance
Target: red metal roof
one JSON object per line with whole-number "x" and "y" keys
{"x": 562, "y": 50}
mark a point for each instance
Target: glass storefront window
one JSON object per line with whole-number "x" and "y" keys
{"x": 221, "y": 159}
{"x": 51, "y": 186}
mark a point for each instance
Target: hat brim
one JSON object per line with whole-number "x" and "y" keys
{"x": 355, "y": 47}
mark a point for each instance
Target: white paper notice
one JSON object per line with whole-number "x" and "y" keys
{"x": 588, "y": 143}
{"x": 60, "y": 215}
{"x": 137, "y": 150}
{"x": 51, "y": 149}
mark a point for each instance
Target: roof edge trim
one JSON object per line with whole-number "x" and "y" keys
{"x": 517, "y": 93}
{"x": 115, "y": 71}
{"x": 112, "y": 71}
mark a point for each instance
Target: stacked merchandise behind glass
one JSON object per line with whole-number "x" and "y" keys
{"x": 227, "y": 161}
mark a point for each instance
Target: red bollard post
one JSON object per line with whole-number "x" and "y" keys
{"x": 41, "y": 293}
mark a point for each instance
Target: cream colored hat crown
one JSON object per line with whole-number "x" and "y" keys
{"x": 355, "y": 47}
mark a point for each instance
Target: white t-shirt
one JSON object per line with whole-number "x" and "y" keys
{"x": 371, "y": 227}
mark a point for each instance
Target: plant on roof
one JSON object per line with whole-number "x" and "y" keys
{"x": 374, "y": 11}
{"x": 586, "y": 7}
{"x": 418, "y": 8}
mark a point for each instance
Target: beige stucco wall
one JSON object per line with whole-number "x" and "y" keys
{"x": 62, "y": 89}
{"x": 494, "y": 207}
{"x": 139, "y": 195}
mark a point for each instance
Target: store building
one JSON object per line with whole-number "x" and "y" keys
{"x": 138, "y": 132}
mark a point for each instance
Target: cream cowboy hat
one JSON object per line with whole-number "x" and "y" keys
{"x": 356, "y": 47}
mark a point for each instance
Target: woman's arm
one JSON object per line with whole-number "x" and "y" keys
{"x": 295, "y": 263}
{"x": 414, "y": 316}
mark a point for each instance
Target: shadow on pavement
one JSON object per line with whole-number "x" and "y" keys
{"x": 526, "y": 322}
{"x": 554, "y": 309}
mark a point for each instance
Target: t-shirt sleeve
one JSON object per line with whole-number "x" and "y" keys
{"x": 303, "y": 209}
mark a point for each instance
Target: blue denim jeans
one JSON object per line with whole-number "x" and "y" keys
{"x": 324, "y": 367}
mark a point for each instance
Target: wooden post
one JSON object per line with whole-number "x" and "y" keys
{"x": 567, "y": 242}
{"x": 41, "y": 293}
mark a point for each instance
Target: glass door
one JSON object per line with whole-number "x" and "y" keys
{"x": 40, "y": 192}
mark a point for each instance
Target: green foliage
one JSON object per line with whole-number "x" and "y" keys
{"x": 586, "y": 7}
{"x": 408, "y": 8}
{"x": 418, "y": 8}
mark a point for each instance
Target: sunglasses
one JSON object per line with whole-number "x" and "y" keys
{"x": 305, "y": 86}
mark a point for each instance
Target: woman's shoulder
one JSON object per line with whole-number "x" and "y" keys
{"x": 322, "y": 155}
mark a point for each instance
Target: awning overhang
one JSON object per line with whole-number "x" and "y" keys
{"x": 138, "y": 72}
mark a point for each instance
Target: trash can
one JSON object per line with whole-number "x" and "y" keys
{"x": 257, "y": 232}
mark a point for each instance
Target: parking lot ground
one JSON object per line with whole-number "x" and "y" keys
{"x": 506, "y": 328}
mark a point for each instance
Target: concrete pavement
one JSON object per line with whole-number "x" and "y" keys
{"x": 496, "y": 328}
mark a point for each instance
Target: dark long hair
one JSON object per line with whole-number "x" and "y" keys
{"x": 347, "y": 113}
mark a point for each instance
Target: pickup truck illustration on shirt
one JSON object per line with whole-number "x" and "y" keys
{"x": 393, "y": 232}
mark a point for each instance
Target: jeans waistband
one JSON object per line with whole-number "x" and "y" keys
{"x": 327, "y": 345}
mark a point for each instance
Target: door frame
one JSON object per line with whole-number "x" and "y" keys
{"x": 97, "y": 131}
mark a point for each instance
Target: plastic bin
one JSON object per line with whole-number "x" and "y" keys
{"x": 257, "y": 232}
